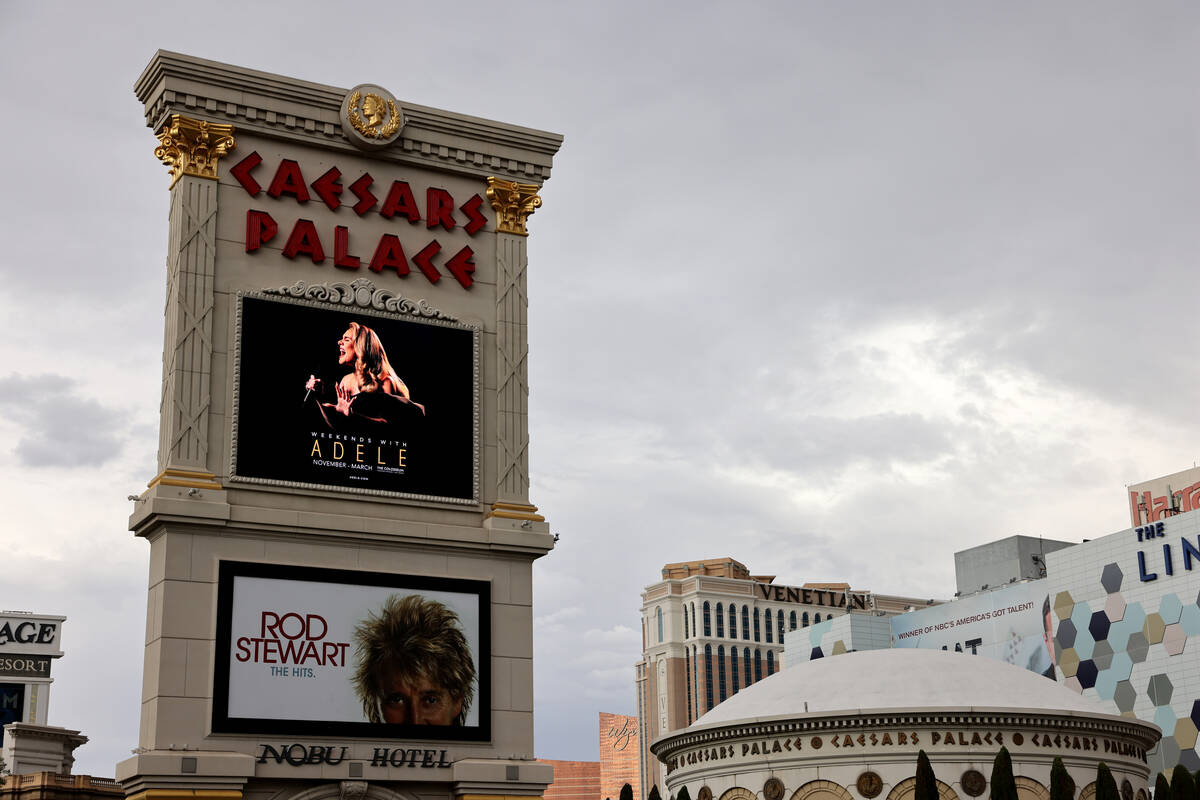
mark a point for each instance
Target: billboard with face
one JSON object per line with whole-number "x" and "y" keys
{"x": 319, "y": 651}
{"x": 1009, "y": 625}
{"x": 345, "y": 399}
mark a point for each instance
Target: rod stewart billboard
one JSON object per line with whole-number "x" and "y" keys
{"x": 307, "y": 650}
{"x": 330, "y": 397}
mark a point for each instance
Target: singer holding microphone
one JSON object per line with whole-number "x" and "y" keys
{"x": 371, "y": 392}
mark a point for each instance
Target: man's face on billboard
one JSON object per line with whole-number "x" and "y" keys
{"x": 419, "y": 703}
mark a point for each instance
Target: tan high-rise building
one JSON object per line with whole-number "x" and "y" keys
{"x": 710, "y": 629}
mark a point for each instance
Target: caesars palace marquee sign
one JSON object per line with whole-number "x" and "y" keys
{"x": 396, "y": 203}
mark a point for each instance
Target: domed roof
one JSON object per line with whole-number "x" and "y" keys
{"x": 894, "y": 679}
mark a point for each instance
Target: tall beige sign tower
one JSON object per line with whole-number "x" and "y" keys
{"x": 341, "y": 538}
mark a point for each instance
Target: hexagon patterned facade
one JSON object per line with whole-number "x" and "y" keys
{"x": 1126, "y": 628}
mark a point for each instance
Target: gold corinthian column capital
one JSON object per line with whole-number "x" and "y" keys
{"x": 193, "y": 146}
{"x": 514, "y": 202}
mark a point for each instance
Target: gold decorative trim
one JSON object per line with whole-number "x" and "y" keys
{"x": 186, "y": 794}
{"x": 193, "y": 146}
{"x": 515, "y": 511}
{"x": 33, "y": 703}
{"x": 187, "y": 478}
{"x": 513, "y": 202}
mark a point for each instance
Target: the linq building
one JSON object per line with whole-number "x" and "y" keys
{"x": 1126, "y": 617}
{"x": 1116, "y": 619}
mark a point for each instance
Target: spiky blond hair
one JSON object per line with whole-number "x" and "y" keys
{"x": 412, "y": 638}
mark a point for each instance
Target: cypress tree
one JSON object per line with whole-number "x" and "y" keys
{"x": 1003, "y": 785}
{"x": 684, "y": 794}
{"x": 654, "y": 795}
{"x": 1162, "y": 788}
{"x": 1062, "y": 785}
{"x": 1106, "y": 784}
{"x": 926, "y": 788}
{"x": 626, "y": 792}
{"x": 1183, "y": 785}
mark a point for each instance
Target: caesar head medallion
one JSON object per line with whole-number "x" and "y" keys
{"x": 371, "y": 117}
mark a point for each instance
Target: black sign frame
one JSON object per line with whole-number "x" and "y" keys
{"x": 223, "y": 722}
{"x": 269, "y": 392}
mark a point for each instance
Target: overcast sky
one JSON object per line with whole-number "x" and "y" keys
{"x": 835, "y": 289}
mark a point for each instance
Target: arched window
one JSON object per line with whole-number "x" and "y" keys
{"x": 804, "y": 620}
{"x": 685, "y": 623}
{"x": 746, "y": 622}
{"x": 695, "y": 630}
{"x": 708, "y": 681}
{"x": 746, "y": 663}
{"x": 792, "y": 622}
{"x": 696, "y": 676}
{"x": 732, "y": 622}
{"x": 733, "y": 668}
{"x": 757, "y": 665}
{"x": 770, "y": 663}
{"x": 756, "y": 625}
{"x": 687, "y": 672}
{"x": 720, "y": 623}
{"x": 767, "y": 619}
{"x": 721, "y": 673}
{"x": 707, "y": 619}
{"x": 816, "y": 618}
{"x": 779, "y": 622}
{"x": 658, "y": 613}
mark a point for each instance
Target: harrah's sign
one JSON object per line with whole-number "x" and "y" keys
{"x": 1145, "y": 507}
{"x": 398, "y": 204}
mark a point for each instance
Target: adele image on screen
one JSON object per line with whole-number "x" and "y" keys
{"x": 334, "y": 398}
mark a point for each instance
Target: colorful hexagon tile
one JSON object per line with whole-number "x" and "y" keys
{"x": 1125, "y": 696}
{"x": 1189, "y": 620}
{"x": 1106, "y": 684}
{"x": 1086, "y": 673}
{"x": 816, "y": 653}
{"x": 1118, "y": 634}
{"x": 1122, "y": 666}
{"x": 1110, "y": 578}
{"x": 1084, "y": 645}
{"x": 1195, "y": 715}
{"x": 1098, "y": 625}
{"x": 1102, "y": 654}
{"x": 1138, "y": 647}
{"x": 1190, "y": 760}
{"x": 1153, "y": 627}
{"x": 1174, "y": 639}
{"x": 1168, "y": 750}
{"x": 1064, "y": 605}
{"x": 1081, "y": 615}
{"x": 1185, "y": 734}
{"x": 1065, "y": 635}
{"x": 839, "y": 647}
{"x": 1072, "y": 683}
{"x": 1114, "y": 606}
{"x": 1069, "y": 662}
{"x": 1135, "y": 615}
{"x": 1169, "y": 608}
{"x": 1159, "y": 689}
{"x": 1164, "y": 717}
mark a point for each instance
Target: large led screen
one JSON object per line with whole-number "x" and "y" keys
{"x": 311, "y": 651}
{"x": 341, "y": 398}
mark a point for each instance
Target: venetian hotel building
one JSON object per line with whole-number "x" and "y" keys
{"x": 710, "y": 629}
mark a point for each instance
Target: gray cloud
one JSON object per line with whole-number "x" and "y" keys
{"x": 59, "y": 427}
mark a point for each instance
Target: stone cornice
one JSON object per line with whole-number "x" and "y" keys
{"x": 254, "y": 102}
{"x": 1026, "y": 719}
